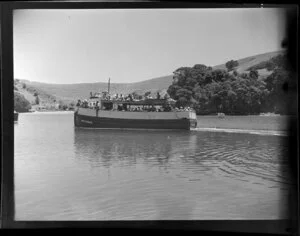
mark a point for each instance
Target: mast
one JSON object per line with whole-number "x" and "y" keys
{"x": 108, "y": 85}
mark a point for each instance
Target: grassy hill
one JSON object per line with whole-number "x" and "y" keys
{"x": 29, "y": 91}
{"x": 67, "y": 93}
{"x": 25, "y": 93}
{"x": 70, "y": 92}
{"x": 246, "y": 63}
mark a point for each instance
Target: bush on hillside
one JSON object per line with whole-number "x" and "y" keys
{"x": 231, "y": 64}
{"x": 21, "y": 104}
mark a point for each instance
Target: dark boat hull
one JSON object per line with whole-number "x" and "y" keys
{"x": 112, "y": 123}
{"x": 16, "y": 116}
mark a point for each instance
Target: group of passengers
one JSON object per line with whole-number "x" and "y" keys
{"x": 183, "y": 109}
{"x": 129, "y": 97}
{"x": 85, "y": 104}
{"x": 147, "y": 109}
{"x": 124, "y": 107}
{"x": 117, "y": 97}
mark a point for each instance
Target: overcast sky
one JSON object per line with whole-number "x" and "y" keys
{"x": 78, "y": 46}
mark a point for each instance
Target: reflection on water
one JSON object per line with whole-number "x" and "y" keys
{"x": 127, "y": 147}
{"x": 234, "y": 155}
{"x": 67, "y": 173}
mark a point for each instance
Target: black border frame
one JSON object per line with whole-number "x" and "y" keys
{"x": 7, "y": 127}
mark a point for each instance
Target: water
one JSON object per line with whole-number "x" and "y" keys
{"x": 63, "y": 173}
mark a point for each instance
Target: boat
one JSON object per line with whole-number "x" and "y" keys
{"x": 104, "y": 112}
{"x": 16, "y": 116}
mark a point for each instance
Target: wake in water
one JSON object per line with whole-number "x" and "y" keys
{"x": 259, "y": 132}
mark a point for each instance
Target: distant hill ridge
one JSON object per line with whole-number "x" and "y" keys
{"x": 72, "y": 92}
{"x": 82, "y": 90}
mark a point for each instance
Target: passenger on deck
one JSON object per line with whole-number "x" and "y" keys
{"x": 97, "y": 105}
{"x": 158, "y": 95}
{"x": 130, "y": 97}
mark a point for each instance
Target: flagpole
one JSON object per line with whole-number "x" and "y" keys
{"x": 108, "y": 85}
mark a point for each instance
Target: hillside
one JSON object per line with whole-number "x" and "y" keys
{"x": 29, "y": 91}
{"x": 248, "y": 62}
{"x": 67, "y": 93}
{"x": 27, "y": 96}
{"x": 70, "y": 92}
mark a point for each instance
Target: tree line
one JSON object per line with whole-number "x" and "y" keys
{"x": 211, "y": 91}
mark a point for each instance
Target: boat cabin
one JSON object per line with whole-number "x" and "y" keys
{"x": 117, "y": 102}
{"x": 104, "y": 101}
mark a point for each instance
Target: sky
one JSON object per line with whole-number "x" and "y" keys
{"x": 131, "y": 45}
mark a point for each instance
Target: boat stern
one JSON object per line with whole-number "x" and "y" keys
{"x": 193, "y": 123}
{"x": 193, "y": 119}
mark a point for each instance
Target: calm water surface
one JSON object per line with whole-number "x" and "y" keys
{"x": 67, "y": 173}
